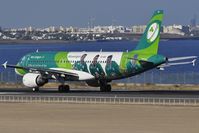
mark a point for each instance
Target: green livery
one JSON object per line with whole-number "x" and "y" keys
{"x": 96, "y": 68}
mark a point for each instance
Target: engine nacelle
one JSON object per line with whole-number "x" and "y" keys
{"x": 33, "y": 80}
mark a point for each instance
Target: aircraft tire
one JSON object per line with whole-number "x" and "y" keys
{"x": 106, "y": 88}
{"x": 102, "y": 88}
{"x": 64, "y": 88}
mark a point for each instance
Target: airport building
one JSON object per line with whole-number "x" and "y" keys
{"x": 138, "y": 29}
{"x": 173, "y": 29}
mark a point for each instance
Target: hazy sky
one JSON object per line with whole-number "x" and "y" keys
{"x": 43, "y": 13}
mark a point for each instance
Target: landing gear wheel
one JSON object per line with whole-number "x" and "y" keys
{"x": 102, "y": 89}
{"x": 108, "y": 89}
{"x": 105, "y": 88}
{"x": 64, "y": 88}
{"x": 36, "y": 89}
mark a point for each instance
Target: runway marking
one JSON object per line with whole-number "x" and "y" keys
{"x": 12, "y": 93}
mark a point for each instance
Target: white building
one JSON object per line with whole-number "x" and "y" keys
{"x": 72, "y": 29}
{"x": 173, "y": 29}
{"x": 109, "y": 29}
{"x": 138, "y": 29}
{"x": 62, "y": 29}
{"x": 50, "y": 29}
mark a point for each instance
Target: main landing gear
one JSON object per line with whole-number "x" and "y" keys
{"x": 63, "y": 88}
{"x": 104, "y": 87}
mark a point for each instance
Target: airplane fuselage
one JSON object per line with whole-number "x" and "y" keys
{"x": 96, "y": 68}
{"x": 101, "y": 65}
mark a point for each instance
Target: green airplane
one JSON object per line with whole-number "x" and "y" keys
{"x": 97, "y": 69}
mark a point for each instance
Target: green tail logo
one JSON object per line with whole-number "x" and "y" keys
{"x": 151, "y": 37}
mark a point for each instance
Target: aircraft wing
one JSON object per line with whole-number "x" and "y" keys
{"x": 178, "y": 61}
{"x": 55, "y": 73}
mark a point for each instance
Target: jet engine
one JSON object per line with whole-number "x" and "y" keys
{"x": 33, "y": 80}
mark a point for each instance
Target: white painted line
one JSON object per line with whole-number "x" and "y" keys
{"x": 8, "y": 93}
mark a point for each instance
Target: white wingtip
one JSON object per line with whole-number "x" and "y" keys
{"x": 194, "y": 62}
{"x": 5, "y": 64}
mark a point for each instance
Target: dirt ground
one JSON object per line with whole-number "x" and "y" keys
{"x": 96, "y": 118}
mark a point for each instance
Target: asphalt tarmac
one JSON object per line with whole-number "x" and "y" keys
{"x": 97, "y": 93}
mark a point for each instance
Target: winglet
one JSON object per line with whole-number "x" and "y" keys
{"x": 194, "y": 62}
{"x": 5, "y": 64}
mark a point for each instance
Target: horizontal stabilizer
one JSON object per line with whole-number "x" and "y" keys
{"x": 178, "y": 61}
{"x": 181, "y": 63}
{"x": 182, "y": 58}
{"x": 5, "y": 64}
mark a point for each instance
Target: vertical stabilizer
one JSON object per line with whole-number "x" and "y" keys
{"x": 151, "y": 37}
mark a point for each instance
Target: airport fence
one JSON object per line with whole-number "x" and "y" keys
{"x": 101, "y": 100}
{"x": 160, "y": 77}
{"x": 157, "y": 77}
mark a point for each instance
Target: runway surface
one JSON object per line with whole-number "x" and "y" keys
{"x": 97, "y": 93}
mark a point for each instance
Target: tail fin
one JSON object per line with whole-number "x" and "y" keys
{"x": 151, "y": 37}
